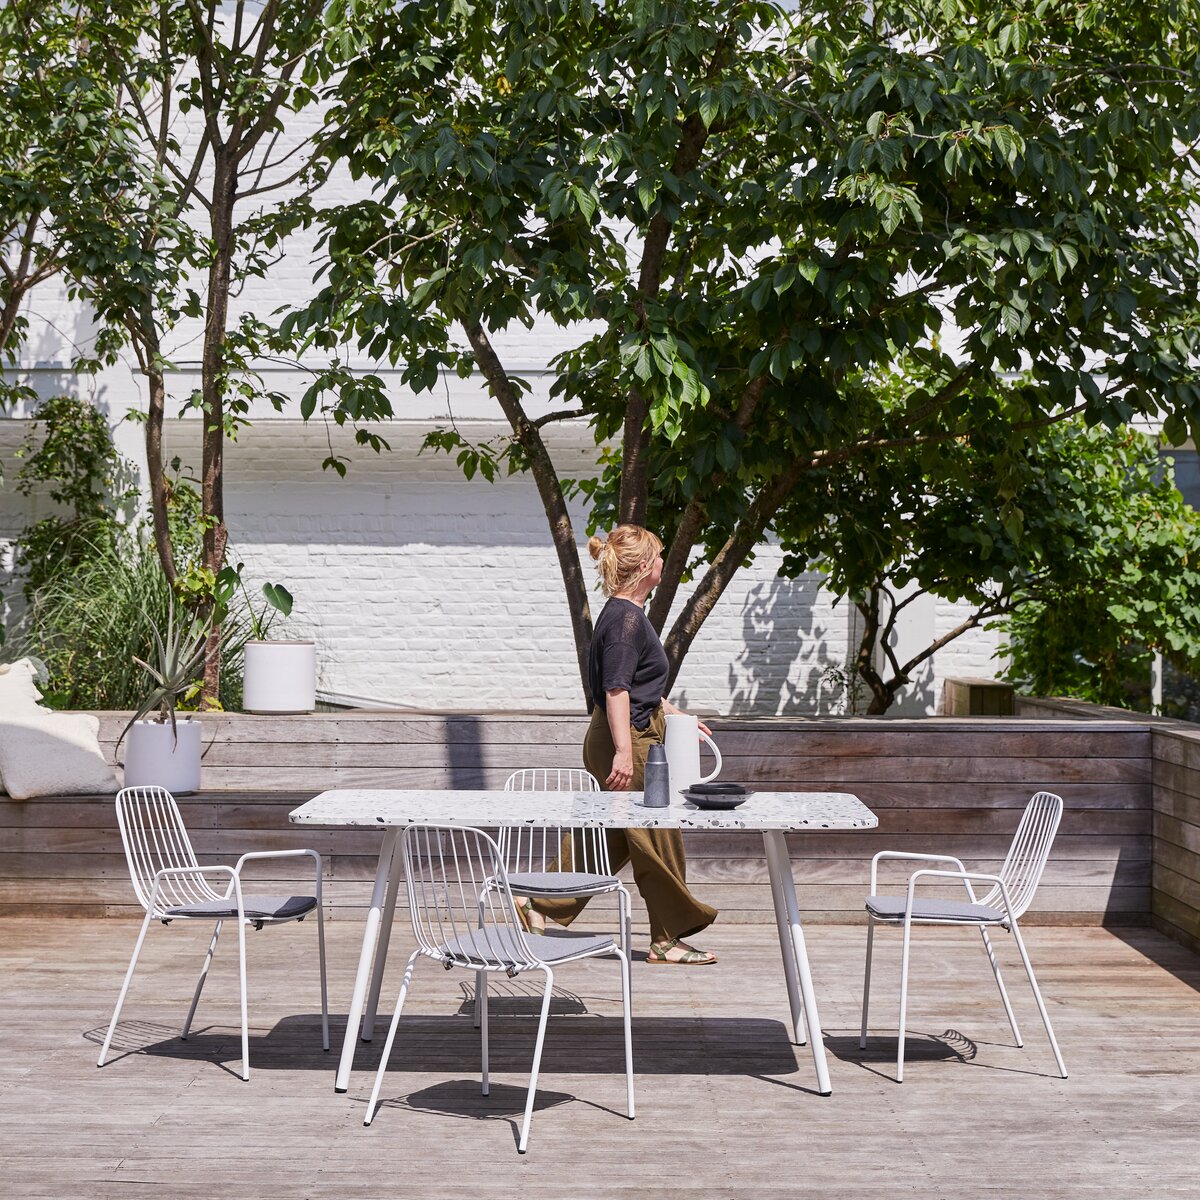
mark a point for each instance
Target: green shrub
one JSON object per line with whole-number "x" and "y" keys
{"x": 87, "y": 624}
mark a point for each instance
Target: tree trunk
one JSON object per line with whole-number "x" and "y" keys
{"x": 155, "y": 411}
{"x": 882, "y": 693}
{"x": 635, "y": 449}
{"x": 212, "y": 387}
{"x": 725, "y": 565}
{"x": 549, "y": 489}
{"x": 8, "y": 317}
{"x": 694, "y": 515}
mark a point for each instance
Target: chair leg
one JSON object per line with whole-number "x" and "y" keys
{"x": 1037, "y": 995}
{"x": 628, "y": 1006}
{"x": 624, "y": 915}
{"x": 991, "y": 953}
{"x": 862, "y": 1034}
{"x": 112, "y": 1025}
{"x": 537, "y": 1062}
{"x": 324, "y": 975}
{"x": 391, "y": 1037}
{"x": 903, "y": 999}
{"x": 212, "y": 948}
{"x": 625, "y": 908}
{"x": 479, "y": 980}
{"x": 481, "y": 1008}
{"x": 479, "y": 986}
{"x": 245, "y": 1015}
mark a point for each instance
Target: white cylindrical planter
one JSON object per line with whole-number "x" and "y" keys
{"x": 281, "y": 677}
{"x": 154, "y": 755}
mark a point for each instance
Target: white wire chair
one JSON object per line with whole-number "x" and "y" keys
{"x": 1008, "y": 899}
{"x": 553, "y": 861}
{"x": 172, "y": 886}
{"x": 463, "y": 916}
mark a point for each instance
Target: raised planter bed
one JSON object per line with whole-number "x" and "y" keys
{"x": 956, "y": 785}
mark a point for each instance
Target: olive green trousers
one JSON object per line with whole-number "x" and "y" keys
{"x": 656, "y": 855}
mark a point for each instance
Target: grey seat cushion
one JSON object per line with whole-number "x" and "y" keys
{"x": 257, "y": 908}
{"x": 497, "y": 944}
{"x": 891, "y": 908}
{"x": 560, "y": 883}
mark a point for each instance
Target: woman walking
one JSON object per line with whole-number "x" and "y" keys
{"x": 627, "y": 676}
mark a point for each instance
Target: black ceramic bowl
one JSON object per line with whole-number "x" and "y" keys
{"x": 718, "y": 789}
{"x": 708, "y": 800}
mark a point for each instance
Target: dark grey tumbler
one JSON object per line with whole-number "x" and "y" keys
{"x": 656, "y": 790}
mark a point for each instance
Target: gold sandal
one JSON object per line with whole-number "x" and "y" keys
{"x": 533, "y": 920}
{"x": 691, "y": 957}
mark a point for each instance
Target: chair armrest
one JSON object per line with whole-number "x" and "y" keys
{"x": 901, "y": 854}
{"x": 966, "y": 877}
{"x": 174, "y": 872}
{"x": 257, "y": 854}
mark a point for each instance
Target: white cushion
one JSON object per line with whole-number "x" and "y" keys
{"x": 18, "y": 686}
{"x": 45, "y": 753}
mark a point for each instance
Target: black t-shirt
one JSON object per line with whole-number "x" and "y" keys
{"x": 627, "y": 654}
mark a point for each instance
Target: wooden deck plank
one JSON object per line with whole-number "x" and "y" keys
{"x": 718, "y": 1082}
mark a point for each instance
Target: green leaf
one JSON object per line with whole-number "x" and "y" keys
{"x": 279, "y": 598}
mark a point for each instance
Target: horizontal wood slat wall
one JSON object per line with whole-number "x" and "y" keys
{"x": 952, "y": 785}
{"x": 1175, "y": 814}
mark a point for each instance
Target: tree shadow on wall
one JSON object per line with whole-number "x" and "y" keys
{"x": 785, "y": 651}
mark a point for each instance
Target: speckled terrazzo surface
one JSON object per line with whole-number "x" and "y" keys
{"x": 621, "y": 810}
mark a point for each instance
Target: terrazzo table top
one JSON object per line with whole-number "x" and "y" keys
{"x": 799, "y": 811}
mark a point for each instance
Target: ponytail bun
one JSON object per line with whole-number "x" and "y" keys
{"x": 623, "y": 557}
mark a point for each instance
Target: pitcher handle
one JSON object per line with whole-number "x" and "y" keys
{"x": 716, "y": 753}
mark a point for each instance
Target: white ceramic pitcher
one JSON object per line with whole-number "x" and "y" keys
{"x": 683, "y": 752}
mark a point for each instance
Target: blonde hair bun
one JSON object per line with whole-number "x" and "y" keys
{"x": 624, "y": 557}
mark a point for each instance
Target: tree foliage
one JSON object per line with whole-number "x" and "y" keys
{"x": 69, "y": 453}
{"x": 64, "y": 158}
{"x": 788, "y": 242}
{"x": 1123, "y": 584}
{"x": 1104, "y": 556}
{"x": 213, "y": 181}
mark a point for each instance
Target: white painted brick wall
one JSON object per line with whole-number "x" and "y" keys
{"x": 425, "y": 590}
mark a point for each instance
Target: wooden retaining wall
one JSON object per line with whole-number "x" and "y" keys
{"x": 1175, "y": 813}
{"x": 952, "y": 785}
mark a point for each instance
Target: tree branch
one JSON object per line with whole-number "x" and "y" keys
{"x": 549, "y": 489}
{"x": 690, "y": 524}
{"x": 729, "y": 558}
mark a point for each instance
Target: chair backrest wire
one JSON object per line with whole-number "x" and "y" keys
{"x": 1026, "y": 858}
{"x": 155, "y": 839}
{"x": 548, "y": 847}
{"x": 459, "y": 898}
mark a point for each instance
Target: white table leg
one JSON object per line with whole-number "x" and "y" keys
{"x": 790, "y": 975}
{"x": 780, "y": 868}
{"x": 366, "y": 954}
{"x": 381, "y": 947}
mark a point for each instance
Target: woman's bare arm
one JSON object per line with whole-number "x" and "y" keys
{"x": 617, "y": 708}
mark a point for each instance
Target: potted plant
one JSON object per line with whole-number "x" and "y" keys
{"x": 165, "y": 749}
{"x": 280, "y": 673}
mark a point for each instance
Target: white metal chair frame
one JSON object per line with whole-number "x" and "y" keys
{"x": 1011, "y": 894}
{"x": 526, "y": 851}
{"x": 463, "y": 915}
{"x": 168, "y": 881}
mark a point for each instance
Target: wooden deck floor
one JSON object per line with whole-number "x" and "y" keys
{"x": 726, "y": 1106}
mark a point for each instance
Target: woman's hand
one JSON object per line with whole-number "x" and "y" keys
{"x": 671, "y": 710}
{"x": 621, "y": 776}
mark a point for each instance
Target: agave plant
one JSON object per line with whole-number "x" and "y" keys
{"x": 179, "y": 658}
